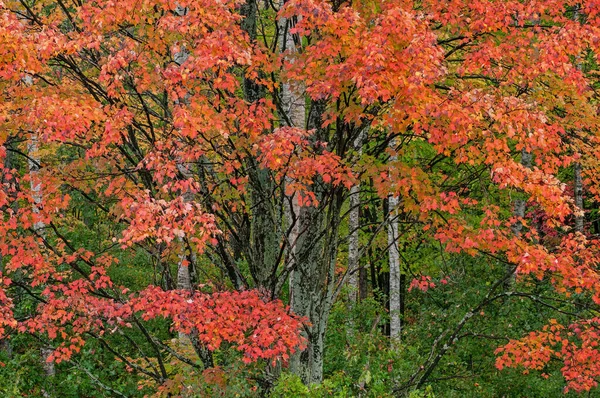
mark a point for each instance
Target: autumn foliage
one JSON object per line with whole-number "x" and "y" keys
{"x": 157, "y": 129}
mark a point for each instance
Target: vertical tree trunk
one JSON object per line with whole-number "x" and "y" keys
{"x": 578, "y": 181}
{"x": 5, "y": 345}
{"x": 353, "y": 260}
{"x": 186, "y": 261}
{"x": 33, "y": 163}
{"x": 519, "y": 203}
{"x": 184, "y": 279}
{"x": 265, "y": 223}
{"x": 314, "y": 281}
{"x": 293, "y": 100}
{"x": 518, "y": 212}
{"x": 38, "y": 226}
{"x": 293, "y": 114}
{"x": 313, "y": 284}
{"x": 394, "y": 263}
{"x": 354, "y": 281}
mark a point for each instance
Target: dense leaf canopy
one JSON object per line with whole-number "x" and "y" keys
{"x": 157, "y": 138}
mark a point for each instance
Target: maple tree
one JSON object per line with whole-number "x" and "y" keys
{"x": 219, "y": 141}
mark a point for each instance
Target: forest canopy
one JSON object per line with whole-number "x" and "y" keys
{"x": 299, "y": 198}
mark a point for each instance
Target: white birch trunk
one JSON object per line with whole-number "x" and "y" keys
{"x": 184, "y": 278}
{"x": 394, "y": 264}
{"x": 35, "y": 181}
{"x": 353, "y": 260}
{"x": 33, "y": 163}
{"x": 38, "y": 226}
{"x": 353, "y": 238}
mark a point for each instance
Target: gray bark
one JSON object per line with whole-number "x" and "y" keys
{"x": 395, "y": 294}
{"x": 265, "y": 231}
{"x": 33, "y": 163}
{"x": 353, "y": 249}
{"x": 184, "y": 274}
{"x": 293, "y": 100}
{"x": 578, "y": 191}
{"x": 293, "y": 106}
{"x": 354, "y": 229}
{"x": 184, "y": 279}
{"x": 265, "y": 224}
{"x": 313, "y": 284}
{"x": 38, "y": 226}
{"x": 35, "y": 183}
{"x": 519, "y": 203}
{"x": 394, "y": 264}
{"x": 518, "y": 212}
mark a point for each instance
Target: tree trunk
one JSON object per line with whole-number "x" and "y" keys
{"x": 394, "y": 263}
{"x": 38, "y": 227}
{"x": 354, "y": 281}
{"x": 353, "y": 260}
{"x": 184, "y": 279}
{"x": 518, "y": 213}
{"x": 187, "y": 261}
{"x": 313, "y": 281}
{"x": 5, "y": 345}
{"x": 293, "y": 114}
{"x": 578, "y": 181}
{"x": 313, "y": 284}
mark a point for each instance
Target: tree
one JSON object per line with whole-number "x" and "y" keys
{"x": 237, "y": 161}
{"x": 115, "y": 133}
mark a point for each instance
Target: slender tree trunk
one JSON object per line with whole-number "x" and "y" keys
{"x": 518, "y": 212}
{"x": 38, "y": 226}
{"x": 5, "y": 345}
{"x": 184, "y": 279}
{"x": 353, "y": 260}
{"x": 187, "y": 261}
{"x": 394, "y": 264}
{"x": 354, "y": 281}
{"x": 293, "y": 114}
{"x": 519, "y": 203}
{"x": 36, "y": 194}
{"x": 578, "y": 180}
{"x": 293, "y": 100}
